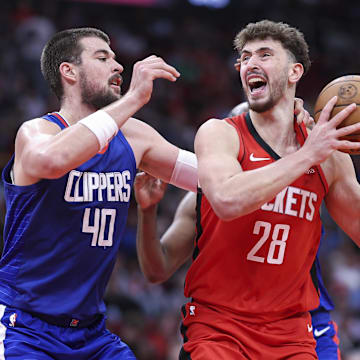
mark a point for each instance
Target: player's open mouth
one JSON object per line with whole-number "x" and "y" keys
{"x": 256, "y": 84}
{"x": 116, "y": 81}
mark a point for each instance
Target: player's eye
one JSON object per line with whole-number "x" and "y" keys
{"x": 102, "y": 59}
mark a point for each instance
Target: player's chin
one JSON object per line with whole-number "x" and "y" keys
{"x": 116, "y": 90}
{"x": 261, "y": 105}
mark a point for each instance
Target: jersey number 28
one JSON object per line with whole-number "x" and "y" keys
{"x": 279, "y": 234}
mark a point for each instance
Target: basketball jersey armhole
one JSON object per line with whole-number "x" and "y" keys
{"x": 233, "y": 121}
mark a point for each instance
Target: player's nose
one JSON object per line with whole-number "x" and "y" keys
{"x": 117, "y": 67}
{"x": 252, "y": 63}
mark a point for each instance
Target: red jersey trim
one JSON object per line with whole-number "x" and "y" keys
{"x": 63, "y": 121}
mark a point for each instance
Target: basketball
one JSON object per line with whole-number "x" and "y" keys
{"x": 347, "y": 89}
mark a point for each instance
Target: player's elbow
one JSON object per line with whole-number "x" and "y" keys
{"x": 227, "y": 208}
{"x": 223, "y": 207}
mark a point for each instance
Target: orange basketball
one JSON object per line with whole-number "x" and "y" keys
{"x": 347, "y": 89}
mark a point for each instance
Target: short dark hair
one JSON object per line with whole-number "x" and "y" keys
{"x": 65, "y": 46}
{"x": 291, "y": 39}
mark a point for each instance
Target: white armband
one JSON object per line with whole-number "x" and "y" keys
{"x": 185, "y": 173}
{"x": 102, "y": 125}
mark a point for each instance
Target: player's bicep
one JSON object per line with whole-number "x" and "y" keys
{"x": 217, "y": 148}
{"x": 30, "y": 147}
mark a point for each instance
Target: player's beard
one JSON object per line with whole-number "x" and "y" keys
{"x": 278, "y": 87}
{"x": 96, "y": 98}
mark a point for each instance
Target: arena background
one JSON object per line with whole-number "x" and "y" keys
{"x": 197, "y": 39}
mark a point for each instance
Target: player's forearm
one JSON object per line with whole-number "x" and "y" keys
{"x": 347, "y": 217}
{"x": 249, "y": 190}
{"x": 151, "y": 257}
{"x": 54, "y": 156}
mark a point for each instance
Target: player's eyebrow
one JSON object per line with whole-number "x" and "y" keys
{"x": 262, "y": 49}
{"x": 105, "y": 52}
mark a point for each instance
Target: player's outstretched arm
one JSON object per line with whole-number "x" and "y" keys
{"x": 43, "y": 151}
{"x": 160, "y": 258}
{"x": 233, "y": 192}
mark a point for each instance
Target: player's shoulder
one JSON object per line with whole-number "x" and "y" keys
{"x": 36, "y": 125}
{"x": 216, "y": 128}
{"x": 215, "y": 124}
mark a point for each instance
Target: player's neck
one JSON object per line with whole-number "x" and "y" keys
{"x": 74, "y": 110}
{"x": 276, "y": 127}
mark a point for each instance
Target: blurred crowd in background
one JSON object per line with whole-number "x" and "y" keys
{"x": 198, "y": 42}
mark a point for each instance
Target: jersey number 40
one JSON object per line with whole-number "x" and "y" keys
{"x": 103, "y": 219}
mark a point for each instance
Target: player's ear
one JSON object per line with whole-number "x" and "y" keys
{"x": 68, "y": 71}
{"x": 296, "y": 71}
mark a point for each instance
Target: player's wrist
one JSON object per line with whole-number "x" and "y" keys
{"x": 306, "y": 159}
{"x": 102, "y": 125}
{"x": 148, "y": 209}
{"x": 135, "y": 100}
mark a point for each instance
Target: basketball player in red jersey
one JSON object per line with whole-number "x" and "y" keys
{"x": 263, "y": 178}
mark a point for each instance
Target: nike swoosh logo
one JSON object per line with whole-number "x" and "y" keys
{"x": 253, "y": 158}
{"x": 318, "y": 333}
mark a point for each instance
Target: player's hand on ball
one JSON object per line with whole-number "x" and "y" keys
{"x": 325, "y": 137}
{"x": 347, "y": 90}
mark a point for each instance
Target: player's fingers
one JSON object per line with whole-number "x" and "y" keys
{"x": 310, "y": 122}
{"x": 150, "y": 58}
{"x": 161, "y": 74}
{"x": 166, "y": 67}
{"x": 347, "y": 130}
{"x": 348, "y": 145}
{"x": 300, "y": 117}
{"x": 343, "y": 114}
{"x": 158, "y": 70}
{"x": 155, "y": 62}
{"x": 298, "y": 106}
{"x": 326, "y": 111}
{"x": 139, "y": 180}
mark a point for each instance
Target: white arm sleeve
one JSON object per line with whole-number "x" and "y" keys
{"x": 185, "y": 173}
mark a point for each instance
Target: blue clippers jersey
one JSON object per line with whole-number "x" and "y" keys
{"x": 62, "y": 235}
{"x": 325, "y": 300}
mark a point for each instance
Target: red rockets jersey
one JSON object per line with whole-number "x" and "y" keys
{"x": 260, "y": 266}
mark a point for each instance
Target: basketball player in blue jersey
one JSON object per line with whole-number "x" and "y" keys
{"x": 160, "y": 258}
{"x": 67, "y": 191}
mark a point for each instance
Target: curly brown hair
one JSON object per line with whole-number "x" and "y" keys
{"x": 291, "y": 39}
